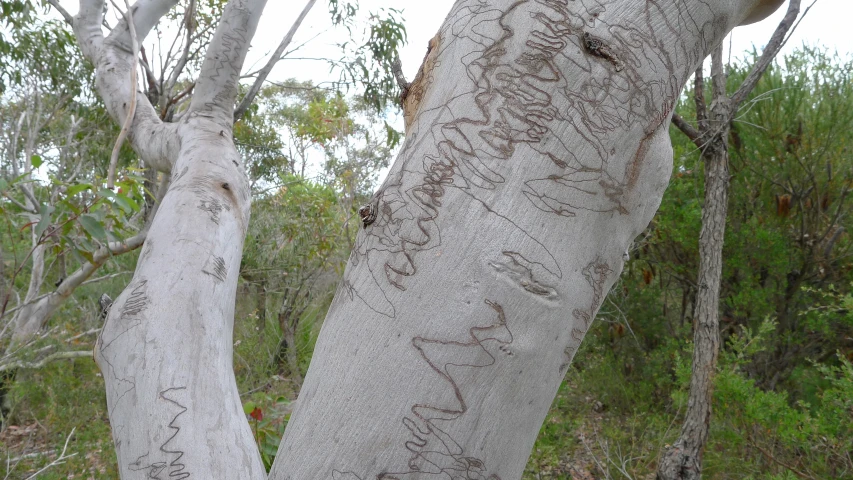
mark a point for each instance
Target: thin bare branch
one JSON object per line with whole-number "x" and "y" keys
{"x": 104, "y": 277}
{"x": 777, "y": 40}
{"x": 19, "y": 204}
{"x": 692, "y": 133}
{"x": 44, "y": 361}
{"x": 59, "y": 461}
{"x": 189, "y": 24}
{"x": 69, "y": 19}
{"x": 276, "y": 56}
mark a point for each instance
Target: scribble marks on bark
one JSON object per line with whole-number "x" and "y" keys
{"x": 433, "y": 450}
{"x": 595, "y": 273}
{"x": 215, "y": 267}
{"x": 519, "y": 271}
{"x": 171, "y": 467}
{"x": 136, "y": 302}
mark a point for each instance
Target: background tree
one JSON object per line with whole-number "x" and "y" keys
{"x": 684, "y": 459}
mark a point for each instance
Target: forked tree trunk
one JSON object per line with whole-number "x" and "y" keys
{"x": 166, "y": 347}
{"x": 538, "y": 151}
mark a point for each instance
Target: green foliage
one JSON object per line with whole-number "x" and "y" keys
{"x": 294, "y": 252}
{"x": 369, "y": 56}
{"x": 298, "y": 126}
{"x": 37, "y": 51}
{"x": 268, "y": 417}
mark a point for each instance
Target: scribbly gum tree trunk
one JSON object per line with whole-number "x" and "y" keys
{"x": 538, "y": 150}
{"x": 166, "y": 347}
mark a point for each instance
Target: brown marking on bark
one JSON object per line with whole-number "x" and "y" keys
{"x": 413, "y": 95}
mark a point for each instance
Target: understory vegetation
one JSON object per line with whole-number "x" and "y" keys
{"x": 783, "y": 398}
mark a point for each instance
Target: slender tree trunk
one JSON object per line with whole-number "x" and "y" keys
{"x": 28, "y": 319}
{"x": 683, "y": 460}
{"x": 291, "y": 353}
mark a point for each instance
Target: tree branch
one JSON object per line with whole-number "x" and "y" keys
{"x": 189, "y": 24}
{"x": 69, "y": 19}
{"x": 692, "y": 133}
{"x": 216, "y": 87}
{"x": 104, "y": 277}
{"x": 115, "y": 63}
{"x": 102, "y": 255}
{"x": 699, "y": 100}
{"x": 44, "y": 361}
{"x": 276, "y": 56}
{"x": 19, "y": 204}
{"x": 128, "y": 121}
{"x": 770, "y": 51}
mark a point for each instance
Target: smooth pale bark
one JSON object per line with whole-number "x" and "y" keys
{"x": 166, "y": 347}
{"x": 539, "y": 150}
{"x": 156, "y": 142}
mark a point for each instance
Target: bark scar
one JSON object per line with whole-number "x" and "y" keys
{"x": 415, "y": 91}
{"x": 597, "y": 48}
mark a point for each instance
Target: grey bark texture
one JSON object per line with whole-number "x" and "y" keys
{"x": 683, "y": 460}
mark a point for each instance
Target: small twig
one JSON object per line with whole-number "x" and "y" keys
{"x": 60, "y": 460}
{"x": 131, "y": 111}
{"x": 692, "y": 133}
{"x": 397, "y": 70}
{"x": 88, "y": 332}
{"x": 105, "y": 277}
{"x": 44, "y": 361}
{"x": 780, "y": 462}
{"x": 67, "y": 16}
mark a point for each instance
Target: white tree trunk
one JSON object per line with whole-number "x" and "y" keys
{"x": 539, "y": 150}
{"x": 166, "y": 347}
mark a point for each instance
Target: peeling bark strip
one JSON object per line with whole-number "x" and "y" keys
{"x": 415, "y": 91}
{"x": 536, "y": 149}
